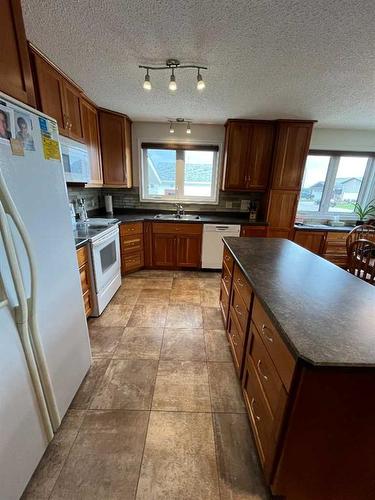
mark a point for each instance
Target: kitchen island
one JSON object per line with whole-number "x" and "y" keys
{"x": 302, "y": 335}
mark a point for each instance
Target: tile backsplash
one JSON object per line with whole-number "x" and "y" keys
{"x": 129, "y": 198}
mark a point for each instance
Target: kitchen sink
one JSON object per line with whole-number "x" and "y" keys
{"x": 176, "y": 217}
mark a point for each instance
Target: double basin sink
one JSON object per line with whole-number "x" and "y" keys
{"x": 176, "y": 217}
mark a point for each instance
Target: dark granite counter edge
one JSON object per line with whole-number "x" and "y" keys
{"x": 323, "y": 229}
{"x": 296, "y": 354}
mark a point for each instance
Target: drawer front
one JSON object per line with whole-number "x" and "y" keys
{"x": 176, "y": 228}
{"x": 239, "y": 309}
{"x": 85, "y": 278}
{"x": 339, "y": 260}
{"x": 131, "y": 262}
{"x": 243, "y": 286}
{"x": 131, "y": 243}
{"x": 260, "y": 415}
{"x": 224, "y": 303}
{"x": 336, "y": 237}
{"x": 279, "y": 353}
{"x": 236, "y": 341}
{"x": 254, "y": 231}
{"x": 226, "y": 278}
{"x": 228, "y": 260}
{"x": 269, "y": 378}
{"x": 87, "y": 302}
{"x": 131, "y": 228}
{"x": 82, "y": 256}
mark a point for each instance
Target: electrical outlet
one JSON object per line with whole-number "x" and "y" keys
{"x": 228, "y": 204}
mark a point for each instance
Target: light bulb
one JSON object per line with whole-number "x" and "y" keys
{"x": 171, "y": 129}
{"x": 172, "y": 82}
{"x": 200, "y": 83}
{"x": 147, "y": 82}
{"x": 188, "y": 129}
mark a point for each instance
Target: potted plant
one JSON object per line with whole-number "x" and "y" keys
{"x": 363, "y": 212}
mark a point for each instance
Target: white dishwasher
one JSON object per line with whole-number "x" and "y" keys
{"x": 212, "y": 246}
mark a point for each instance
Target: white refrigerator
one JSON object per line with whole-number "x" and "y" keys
{"x": 44, "y": 344}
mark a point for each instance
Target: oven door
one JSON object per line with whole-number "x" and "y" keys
{"x": 106, "y": 259}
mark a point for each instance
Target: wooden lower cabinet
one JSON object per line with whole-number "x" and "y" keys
{"x": 311, "y": 240}
{"x": 84, "y": 273}
{"x": 176, "y": 245}
{"x": 132, "y": 250}
{"x": 331, "y": 245}
{"x": 164, "y": 250}
{"x": 254, "y": 231}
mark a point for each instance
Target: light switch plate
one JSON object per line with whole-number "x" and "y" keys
{"x": 228, "y": 204}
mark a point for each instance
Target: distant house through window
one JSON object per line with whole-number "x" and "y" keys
{"x": 179, "y": 173}
{"x": 334, "y": 181}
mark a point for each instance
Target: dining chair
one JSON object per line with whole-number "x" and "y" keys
{"x": 363, "y": 232}
{"x": 361, "y": 260}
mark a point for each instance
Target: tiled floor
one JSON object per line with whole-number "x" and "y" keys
{"x": 160, "y": 415}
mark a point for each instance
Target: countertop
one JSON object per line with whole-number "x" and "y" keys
{"x": 323, "y": 228}
{"x": 324, "y": 314}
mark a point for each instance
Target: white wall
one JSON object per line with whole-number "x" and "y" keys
{"x": 343, "y": 139}
{"x": 159, "y": 132}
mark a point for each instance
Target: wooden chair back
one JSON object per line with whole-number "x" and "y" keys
{"x": 361, "y": 260}
{"x": 364, "y": 232}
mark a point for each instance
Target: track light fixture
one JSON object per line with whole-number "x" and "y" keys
{"x": 171, "y": 128}
{"x": 172, "y": 65}
{"x": 178, "y": 121}
{"x": 188, "y": 128}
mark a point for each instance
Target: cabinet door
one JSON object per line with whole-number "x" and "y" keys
{"x": 147, "y": 243}
{"x": 164, "y": 250}
{"x": 15, "y": 71}
{"x": 51, "y": 93}
{"x": 292, "y": 146}
{"x": 188, "y": 251}
{"x": 282, "y": 212}
{"x": 235, "y": 156}
{"x": 254, "y": 231}
{"x": 90, "y": 129}
{"x": 311, "y": 240}
{"x": 128, "y": 152}
{"x": 260, "y": 155}
{"x": 72, "y": 108}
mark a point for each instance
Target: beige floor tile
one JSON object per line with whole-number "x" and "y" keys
{"x": 186, "y": 283}
{"x": 104, "y": 340}
{"x": 226, "y": 394}
{"x": 131, "y": 283}
{"x": 210, "y": 297}
{"x": 92, "y": 380}
{"x": 127, "y": 384}
{"x": 44, "y": 478}
{"x": 158, "y": 283}
{"x": 140, "y": 343}
{"x": 185, "y": 296}
{"x": 179, "y": 458}
{"x": 152, "y": 273}
{"x": 181, "y": 386}
{"x": 154, "y": 296}
{"x": 148, "y": 315}
{"x": 183, "y": 344}
{"x": 105, "y": 459}
{"x": 184, "y": 316}
{"x": 188, "y": 274}
{"x": 113, "y": 315}
{"x": 125, "y": 296}
{"x": 209, "y": 284}
{"x": 212, "y": 319}
{"x": 217, "y": 347}
{"x": 240, "y": 476}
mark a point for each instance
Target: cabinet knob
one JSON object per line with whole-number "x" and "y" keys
{"x": 238, "y": 309}
{"x": 264, "y": 328}
{"x": 252, "y": 404}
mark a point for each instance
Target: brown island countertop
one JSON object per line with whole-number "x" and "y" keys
{"x": 324, "y": 314}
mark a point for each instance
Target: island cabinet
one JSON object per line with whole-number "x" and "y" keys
{"x": 248, "y": 155}
{"x": 226, "y": 284}
{"x": 116, "y": 146}
{"x": 307, "y": 383}
{"x": 84, "y": 273}
{"x": 15, "y": 70}
{"x": 176, "y": 245}
{"x": 131, "y": 244}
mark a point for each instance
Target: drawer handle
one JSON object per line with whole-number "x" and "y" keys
{"x": 260, "y": 371}
{"x": 264, "y": 328}
{"x": 239, "y": 281}
{"x": 252, "y": 404}
{"x": 238, "y": 309}
{"x": 227, "y": 257}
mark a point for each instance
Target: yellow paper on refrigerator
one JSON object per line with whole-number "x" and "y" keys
{"x": 50, "y": 148}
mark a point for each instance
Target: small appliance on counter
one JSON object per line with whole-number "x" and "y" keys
{"x": 108, "y": 204}
{"x": 82, "y": 213}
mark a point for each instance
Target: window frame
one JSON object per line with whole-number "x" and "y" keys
{"x": 180, "y": 147}
{"x": 366, "y": 191}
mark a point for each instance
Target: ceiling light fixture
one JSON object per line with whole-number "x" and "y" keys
{"x": 188, "y": 128}
{"x": 147, "y": 82}
{"x": 171, "y": 128}
{"x": 172, "y": 65}
{"x": 200, "y": 83}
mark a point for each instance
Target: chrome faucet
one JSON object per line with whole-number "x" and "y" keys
{"x": 180, "y": 211}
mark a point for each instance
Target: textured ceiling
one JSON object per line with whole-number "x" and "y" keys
{"x": 267, "y": 58}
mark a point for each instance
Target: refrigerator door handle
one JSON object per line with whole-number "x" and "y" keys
{"x": 9, "y": 207}
{"x": 22, "y": 319}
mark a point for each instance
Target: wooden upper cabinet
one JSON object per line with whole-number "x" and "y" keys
{"x": 115, "y": 136}
{"x": 291, "y": 149}
{"x": 282, "y": 207}
{"x": 15, "y": 71}
{"x": 90, "y": 127}
{"x": 248, "y": 155}
{"x": 58, "y": 98}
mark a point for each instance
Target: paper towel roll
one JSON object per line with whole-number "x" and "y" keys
{"x": 108, "y": 204}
